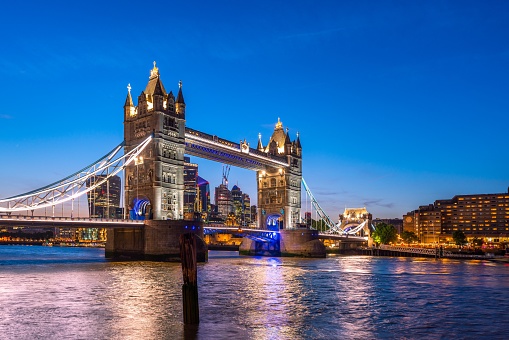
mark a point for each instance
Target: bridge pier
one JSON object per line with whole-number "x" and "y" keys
{"x": 252, "y": 247}
{"x": 291, "y": 242}
{"x": 301, "y": 243}
{"x": 157, "y": 240}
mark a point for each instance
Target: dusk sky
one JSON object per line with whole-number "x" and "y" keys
{"x": 397, "y": 103}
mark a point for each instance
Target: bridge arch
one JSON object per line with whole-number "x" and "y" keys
{"x": 141, "y": 208}
{"x": 274, "y": 222}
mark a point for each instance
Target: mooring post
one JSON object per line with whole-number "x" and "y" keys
{"x": 189, "y": 273}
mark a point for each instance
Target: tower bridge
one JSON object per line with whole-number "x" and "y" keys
{"x": 155, "y": 184}
{"x": 156, "y": 139}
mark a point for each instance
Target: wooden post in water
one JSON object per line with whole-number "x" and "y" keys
{"x": 189, "y": 273}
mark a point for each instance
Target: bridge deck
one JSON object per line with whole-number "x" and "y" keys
{"x": 66, "y": 222}
{"x": 211, "y": 147}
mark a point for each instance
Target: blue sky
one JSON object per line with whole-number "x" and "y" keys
{"x": 398, "y": 103}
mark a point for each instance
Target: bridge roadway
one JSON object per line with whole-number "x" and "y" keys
{"x": 66, "y": 222}
{"x": 212, "y": 147}
{"x": 75, "y": 222}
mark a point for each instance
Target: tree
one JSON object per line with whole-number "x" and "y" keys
{"x": 408, "y": 236}
{"x": 459, "y": 237}
{"x": 478, "y": 242}
{"x": 384, "y": 233}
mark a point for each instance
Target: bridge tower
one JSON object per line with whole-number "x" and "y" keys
{"x": 154, "y": 184}
{"x": 279, "y": 190}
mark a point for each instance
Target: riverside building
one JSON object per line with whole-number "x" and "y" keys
{"x": 484, "y": 216}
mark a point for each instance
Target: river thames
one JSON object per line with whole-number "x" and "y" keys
{"x": 75, "y": 293}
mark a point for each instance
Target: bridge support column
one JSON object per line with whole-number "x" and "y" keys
{"x": 301, "y": 243}
{"x": 259, "y": 248}
{"x": 291, "y": 242}
{"x": 155, "y": 241}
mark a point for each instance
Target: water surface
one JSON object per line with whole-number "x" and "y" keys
{"x": 75, "y": 293}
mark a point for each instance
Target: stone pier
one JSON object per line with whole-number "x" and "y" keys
{"x": 301, "y": 243}
{"x": 157, "y": 240}
{"x": 291, "y": 242}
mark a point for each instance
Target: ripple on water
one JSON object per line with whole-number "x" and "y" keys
{"x": 75, "y": 293}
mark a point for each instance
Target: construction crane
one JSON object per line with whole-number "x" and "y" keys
{"x": 226, "y": 173}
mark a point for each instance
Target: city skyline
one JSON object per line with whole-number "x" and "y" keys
{"x": 397, "y": 105}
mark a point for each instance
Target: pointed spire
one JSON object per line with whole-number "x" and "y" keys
{"x": 279, "y": 125}
{"x": 260, "y": 146}
{"x": 154, "y": 72}
{"x": 287, "y": 138}
{"x": 180, "y": 96}
{"x": 129, "y": 99}
{"x": 298, "y": 141}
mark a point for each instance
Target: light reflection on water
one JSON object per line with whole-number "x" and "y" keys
{"x": 70, "y": 293}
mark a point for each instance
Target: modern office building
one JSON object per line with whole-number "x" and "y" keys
{"x": 484, "y": 216}
{"x": 254, "y": 215}
{"x": 238, "y": 206}
{"x": 224, "y": 201}
{"x": 203, "y": 195}
{"x": 190, "y": 186}
{"x": 246, "y": 210}
{"x": 104, "y": 200}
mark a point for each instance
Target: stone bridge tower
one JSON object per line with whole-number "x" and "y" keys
{"x": 154, "y": 184}
{"x": 279, "y": 190}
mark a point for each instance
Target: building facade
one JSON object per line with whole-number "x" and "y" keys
{"x": 223, "y": 201}
{"x": 104, "y": 200}
{"x": 483, "y": 216}
{"x": 190, "y": 186}
{"x": 203, "y": 196}
{"x": 246, "y": 210}
{"x": 279, "y": 190}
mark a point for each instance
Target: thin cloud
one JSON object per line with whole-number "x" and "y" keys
{"x": 329, "y": 193}
{"x": 4, "y": 116}
{"x": 378, "y": 202}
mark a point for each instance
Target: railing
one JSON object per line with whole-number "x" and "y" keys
{"x": 424, "y": 251}
{"x": 434, "y": 252}
{"x": 68, "y": 219}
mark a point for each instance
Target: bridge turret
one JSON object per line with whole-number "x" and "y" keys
{"x": 142, "y": 104}
{"x": 180, "y": 105}
{"x": 155, "y": 181}
{"x": 288, "y": 143}
{"x": 155, "y": 92}
{"x": 170, "y": 103}
{"x": 158, "y": 97}
{"x": 279, "y": 201}
{"x": 129, "y": 109}
{"x": 298, "y": 147}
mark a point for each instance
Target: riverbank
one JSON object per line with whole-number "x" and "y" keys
{"x": 51, "y": 244}
{"x": 21, "y": 243}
